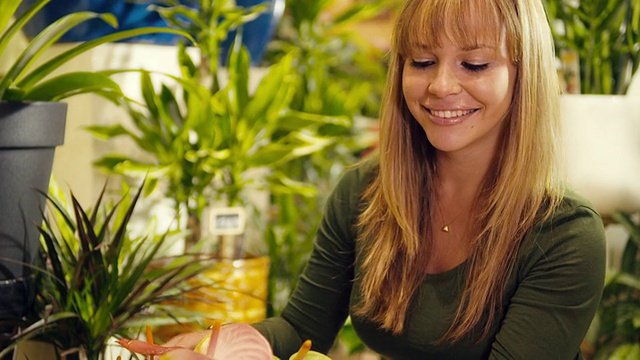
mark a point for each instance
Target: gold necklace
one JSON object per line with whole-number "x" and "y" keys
{"x": 446, "y": 227}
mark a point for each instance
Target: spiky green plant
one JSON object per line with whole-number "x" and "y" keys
{"x": 97, "y": 280}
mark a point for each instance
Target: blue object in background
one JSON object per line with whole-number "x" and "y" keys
{"x": 130, "y": 15}
{"x": 257, "y": 33}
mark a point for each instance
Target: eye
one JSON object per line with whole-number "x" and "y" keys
{"x": 421, "y": 64}
{"x": 474, "y": 67}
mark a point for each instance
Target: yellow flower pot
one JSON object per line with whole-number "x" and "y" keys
{"x": 233, "y": 291}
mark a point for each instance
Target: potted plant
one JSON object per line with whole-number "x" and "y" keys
{"x": 598, "y": 47}
{"x": 238, "y": 130}
{"x": 95, "y": 279}
{"x": 32, "y": 121}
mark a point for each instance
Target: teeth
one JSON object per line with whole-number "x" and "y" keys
{"x": 447, "y": 114}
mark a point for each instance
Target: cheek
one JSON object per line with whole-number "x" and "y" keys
{"x": 497, "y": 92}
{"x": 413, "y": 88}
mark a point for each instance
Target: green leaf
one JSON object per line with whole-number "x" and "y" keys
{"x": 351, "y": 339}
{"x": 283, "y": 184}
{"x": 268, "y": 89}
{"x": 149, "y": 96}
{"x": 627, "y": 221}
{"x": 292, "y": 120}
{"x": 110, "y": 162}
{"x": 238, "y": 67}
{"x": 107, "y": 132}
{"x": 106, "y": 282}
{"x": 7, "y": 11}
{"x": 269, "y": 154}
{"x": 629, "y": 280}
{"x": 180, "y": 16}
{"x": 164, "y": 119}
{"x": 37, "y": 329}
{"x": 359, "y": 12}
{"x": 45, "y": 69}
{"x": 43, "y": 41}
{"x": 626, "y": 351}
{"x": 171, "y": 109}
{"x": 69, "y": 84}
{"x": 188, "y": 68}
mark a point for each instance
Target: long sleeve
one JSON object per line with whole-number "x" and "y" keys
{"x": 550, "y": 299}
{"x": 319, "y": 305}
{"x": 558, "y": 289}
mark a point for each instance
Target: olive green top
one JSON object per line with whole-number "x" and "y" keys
{"x": 551, "y": 297}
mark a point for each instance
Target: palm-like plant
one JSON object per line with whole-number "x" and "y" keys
{"x": 96, "y": 280}
{"x": 206, "y": 141}
{"x": 605, "y": 34}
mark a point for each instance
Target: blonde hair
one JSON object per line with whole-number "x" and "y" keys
{"x": 521, "y": 189}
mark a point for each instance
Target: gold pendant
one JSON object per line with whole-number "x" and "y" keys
{"x": 445, "y": 228}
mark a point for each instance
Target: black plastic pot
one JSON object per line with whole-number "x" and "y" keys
{"x": 29, "y": 134}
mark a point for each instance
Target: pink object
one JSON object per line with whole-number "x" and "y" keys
{"x": 234, "y": 341}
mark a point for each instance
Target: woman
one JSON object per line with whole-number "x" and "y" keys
{"x": 458, "y": 241}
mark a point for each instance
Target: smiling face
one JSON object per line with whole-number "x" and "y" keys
{"x": 457, "y": 72}
{"x": 460, "y": 95}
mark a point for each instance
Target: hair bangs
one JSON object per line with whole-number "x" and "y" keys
{"x": 469, "y": 23}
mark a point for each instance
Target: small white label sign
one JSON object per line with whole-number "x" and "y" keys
{"x": 227, "y": 221}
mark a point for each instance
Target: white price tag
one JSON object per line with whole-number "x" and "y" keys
{"x": 227, "y": 221}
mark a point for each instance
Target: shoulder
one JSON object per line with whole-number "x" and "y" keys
{"x": 362, "y": 173}
{"x": 574, "y": 233}
{"x": 355, "y": 181}
{"x": 575, "y": 214}
{"x": 345, "y": 203}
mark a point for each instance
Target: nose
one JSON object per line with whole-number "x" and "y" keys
{"x": 444, "y": 83}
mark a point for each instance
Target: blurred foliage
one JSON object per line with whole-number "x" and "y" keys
{"x": 205, "y": 131}
{"x": 615, "y": 333}
{"x": 340, "y": 71}
{"x": 339, "y": 74}
{"x": 606, "y": 36}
